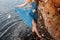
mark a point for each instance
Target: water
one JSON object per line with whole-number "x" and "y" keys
{"x": 10, "y": 23}
{"x": 7, "y": 5}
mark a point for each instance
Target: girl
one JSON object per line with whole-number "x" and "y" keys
{"x": 28, "y": 14}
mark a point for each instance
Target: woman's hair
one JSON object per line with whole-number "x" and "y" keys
{"x": 34, "y": 0}
{"x": 29, "y": 1}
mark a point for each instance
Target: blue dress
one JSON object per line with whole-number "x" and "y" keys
{"x": 28, "y": 13}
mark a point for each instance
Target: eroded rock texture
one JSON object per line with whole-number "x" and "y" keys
{"x": 49, "y": 11}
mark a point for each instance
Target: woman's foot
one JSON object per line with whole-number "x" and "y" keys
{"x": 34, "y": 29}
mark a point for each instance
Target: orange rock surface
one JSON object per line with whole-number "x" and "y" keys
{"x": 51, "y": 17}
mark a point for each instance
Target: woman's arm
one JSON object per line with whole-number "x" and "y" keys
{"x": 26, "y": 2}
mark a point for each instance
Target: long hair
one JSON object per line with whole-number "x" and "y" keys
{"x": 31, "y": 1}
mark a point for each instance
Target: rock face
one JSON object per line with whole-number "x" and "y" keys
{"x": 56, "y": 2}
{"x": 51, "y": 17}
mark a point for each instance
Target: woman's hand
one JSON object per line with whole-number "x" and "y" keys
{"x": 18, "y": 6}
{"x": 22, "y": 5}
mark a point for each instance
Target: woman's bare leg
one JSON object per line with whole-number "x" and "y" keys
{"x": 34, "y": 28}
